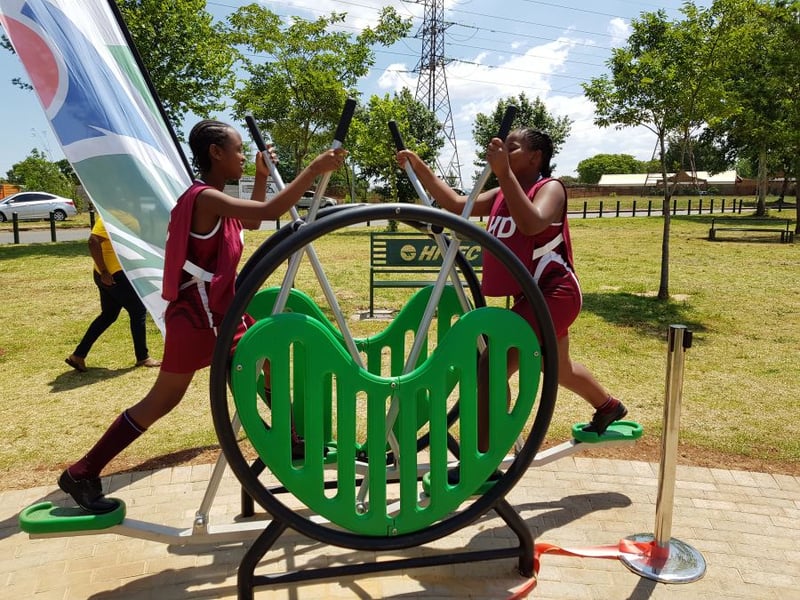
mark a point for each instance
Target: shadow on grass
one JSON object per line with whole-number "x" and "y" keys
{"x": 69, "y": 249}
{"x": 649, "y": 315}
{"x": 779, "y": 218}
{"x": 72, "y": 379}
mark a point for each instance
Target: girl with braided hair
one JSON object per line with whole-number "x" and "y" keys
{"x": 528, "y": 213}
{"x": 203, "y": 248}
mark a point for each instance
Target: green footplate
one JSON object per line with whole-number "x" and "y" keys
{"x": 45, "y": 517}
{"x": 619, "y": 430}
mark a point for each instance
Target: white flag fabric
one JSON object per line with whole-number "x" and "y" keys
{"x": 108, "y": 123}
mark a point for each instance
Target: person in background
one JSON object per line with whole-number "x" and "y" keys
{"x": 204, "y": 246}
{"x": 116, "y": 293}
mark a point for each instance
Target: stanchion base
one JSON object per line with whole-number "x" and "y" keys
{"x": 683, "y": 564}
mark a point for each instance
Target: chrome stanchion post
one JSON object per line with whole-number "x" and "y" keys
{"x": 669, "y": 560}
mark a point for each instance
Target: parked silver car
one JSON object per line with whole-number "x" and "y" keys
{"x": 308, "y": 197}
{"x": 36, "y": 205}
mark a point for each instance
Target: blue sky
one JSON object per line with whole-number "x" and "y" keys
{"x": 545, "y": 49}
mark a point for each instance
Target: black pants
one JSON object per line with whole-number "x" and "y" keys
{"x": 112, "y": 300}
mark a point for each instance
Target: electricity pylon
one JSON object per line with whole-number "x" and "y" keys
{"x": 432, "y": 82}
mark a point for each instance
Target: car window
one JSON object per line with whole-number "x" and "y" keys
{"x": 31, "y": 197}
{"x": 22, "y": 199}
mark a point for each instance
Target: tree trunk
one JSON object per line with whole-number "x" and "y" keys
{"x": 797, "y": 194}
{"x": 663, "y": 286}
{"x": 784, "y": 187}
{"x": 761, "y": 205}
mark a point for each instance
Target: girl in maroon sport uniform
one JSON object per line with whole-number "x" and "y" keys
{"x": 204, "y": 245}
{"x": 528, "y": 213}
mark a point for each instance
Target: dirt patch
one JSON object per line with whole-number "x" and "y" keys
{"x": 646, "y": 449}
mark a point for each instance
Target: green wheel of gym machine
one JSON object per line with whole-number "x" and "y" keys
{"x": 317, "y": 381}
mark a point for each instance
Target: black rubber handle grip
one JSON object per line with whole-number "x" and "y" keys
{"x": 344, "y": 121}
{"x": 398, "y": 139}
{"x": 508, "y": 119}
{"x": 254, "y": 132}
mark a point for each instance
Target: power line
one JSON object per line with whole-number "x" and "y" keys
{"x": 432, "y": 81}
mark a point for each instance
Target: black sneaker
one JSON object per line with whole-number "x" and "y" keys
{"x": 298, "y": 448}
{"x": 87, "y": 493}
{"x": 601, "y": 420}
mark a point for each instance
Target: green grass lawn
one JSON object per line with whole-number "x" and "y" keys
{"x": 739, "y": 298}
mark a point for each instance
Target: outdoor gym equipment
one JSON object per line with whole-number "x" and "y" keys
{"x": 373, "y": 506}
{"x": 310, "y": 369}
{"x": 384, "y": 416}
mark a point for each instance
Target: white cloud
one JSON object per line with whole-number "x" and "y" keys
{"x": 397, "y": 76}
{"x": 477, "y": 83}
{"x": 619, "y": 30}
{"x": 359, "y": 15}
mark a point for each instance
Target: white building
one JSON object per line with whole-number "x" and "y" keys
{"x": 702, "y": 179}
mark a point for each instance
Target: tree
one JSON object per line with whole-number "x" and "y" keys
{"x": 703, "y": 154}
{"x": 66, "y": 168}
{"x": 660, "y": 80}
{"x": 569, "y": 180}
{"x": 373, "y": 150}
{"x": 187, "y": 55}
{"x": 787, "y": 65}
{"x": 298, "y": 93}
{"x": 760, "y": 73}
{"x": 37, "y": 173}
{"x": 591, "y": 169}
{"x": 533, "y": 114}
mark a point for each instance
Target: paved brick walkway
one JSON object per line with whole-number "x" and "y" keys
{"x": 746, "y": 526}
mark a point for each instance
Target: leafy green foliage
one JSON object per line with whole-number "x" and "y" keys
{"x": 37, "y": 173}
{"x": 297, "y": 95}
{"x": 759, "y": 76}
{"x": 591, "y": 169}
{"x": 661, "y": 79}
{"x": 703, "y": 154}
{"x": 66, "y": 168}
{"x": 530, "y": 114}
{"x": 373, "y": 149}
{"x": 186, "y": 54}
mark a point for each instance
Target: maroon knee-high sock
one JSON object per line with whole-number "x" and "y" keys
{"x": 121, "y": 434}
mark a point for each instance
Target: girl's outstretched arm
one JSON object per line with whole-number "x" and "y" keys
{"x": 212, "y": 203}
{"x": 444, "y": 195}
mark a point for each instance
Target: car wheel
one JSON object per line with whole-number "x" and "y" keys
{"x": 59, "y": 215}
{"x": 3, "y": 218}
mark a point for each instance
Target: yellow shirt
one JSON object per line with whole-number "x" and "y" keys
{"x": 109, "y": 256}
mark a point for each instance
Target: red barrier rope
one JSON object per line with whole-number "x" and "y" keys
{"x": 649, "y": 550}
